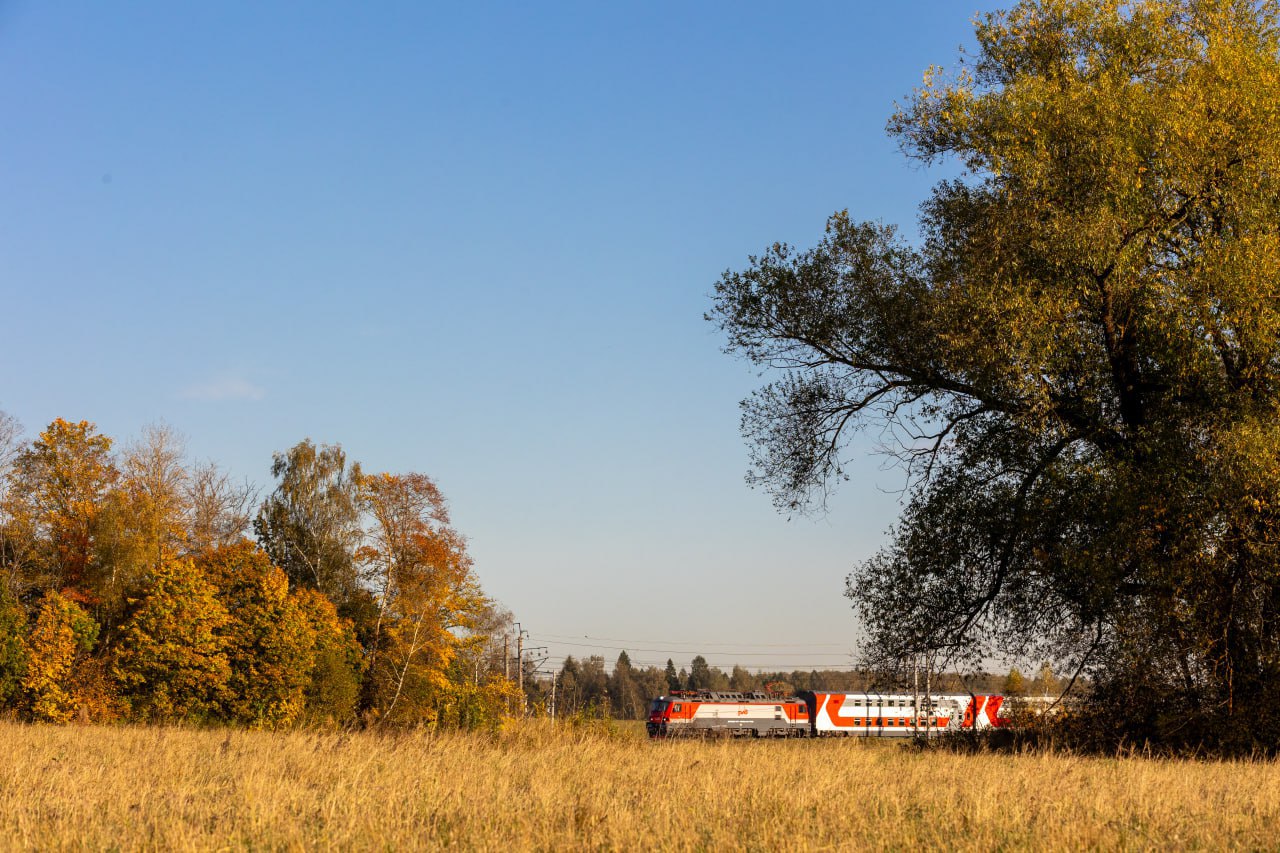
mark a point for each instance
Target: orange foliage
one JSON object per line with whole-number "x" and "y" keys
{"x": 62, "y": 633}
{"x": 60, "y": 484}
{"x": 427, "y": 594}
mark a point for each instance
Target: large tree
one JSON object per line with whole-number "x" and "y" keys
{"x": 429, "y": 603}
{"x": 52, "y": 510}
{"x": 1079, "y": 362}
{"x": 310, "y": 524}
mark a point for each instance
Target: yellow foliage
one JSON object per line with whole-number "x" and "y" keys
{"x": 60, "y": 483}
{"x": 337, "y": 662}
{"x": 269, "y": 641}
{"x": 61, "y": 635}
{"x": 171, "y": 661}
{"x": 427, "y": 595}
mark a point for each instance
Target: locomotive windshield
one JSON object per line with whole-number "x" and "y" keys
{"x": 658, "y": 706}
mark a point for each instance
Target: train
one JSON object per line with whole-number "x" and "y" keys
{"x": 811, "y": 713}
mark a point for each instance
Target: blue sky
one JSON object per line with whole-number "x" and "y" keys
{"x": 472, "y": 240}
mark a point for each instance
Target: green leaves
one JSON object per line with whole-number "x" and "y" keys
{"x": 1080, "y": 364}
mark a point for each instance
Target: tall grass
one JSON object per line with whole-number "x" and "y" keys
{"x": 541, "y": 787}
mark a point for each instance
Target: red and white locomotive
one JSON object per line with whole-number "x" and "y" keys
{"x": 821, "y": 714}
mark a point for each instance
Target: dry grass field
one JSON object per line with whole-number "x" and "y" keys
{"x": 537, "y": 788}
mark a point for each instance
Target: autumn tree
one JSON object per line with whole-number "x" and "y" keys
{"x": 219, "y": 510}
{"x": 62, "y": 635}
{"x": 154, "y": 476}
{"x": 1015, "y": 683}
{"x": 269, "y": 642}
{"x": 142, "y": 520}
{"x": 1080, "y": 362}
{"x": 428, "y": 599}
{"x": 52, "y": 505}
{"x": 332, "y": 693}
{"x": 1045, "y": 682}
{"x": 480, "y": 694}
{"x": 13, "y": 647}
{"x": 310, "y": 524}
{"x": 171, "y": 661}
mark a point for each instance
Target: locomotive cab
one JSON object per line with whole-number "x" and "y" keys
{"x": 659, "y": 716}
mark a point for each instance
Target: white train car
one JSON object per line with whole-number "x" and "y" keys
{"x": 900, "y": 714}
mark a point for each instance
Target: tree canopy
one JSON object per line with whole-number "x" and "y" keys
{"x": 1078, "y": 364}
{"x": 129, "y": 592}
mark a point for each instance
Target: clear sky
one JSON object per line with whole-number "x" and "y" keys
{"x": 473, "y": 240}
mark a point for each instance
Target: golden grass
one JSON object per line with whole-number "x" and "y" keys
{"x": 536, "y": 787}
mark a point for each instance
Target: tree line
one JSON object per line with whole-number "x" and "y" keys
{"x": 587, "y": 688}
{"x": 130, "y": 590}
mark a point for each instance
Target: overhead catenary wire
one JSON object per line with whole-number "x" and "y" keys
{"x": 690, "y": 643}
{"x": 629, "y": 649}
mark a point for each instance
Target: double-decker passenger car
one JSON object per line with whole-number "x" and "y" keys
{"x": 901, "y": 714}
{"x": 821, "y": 714}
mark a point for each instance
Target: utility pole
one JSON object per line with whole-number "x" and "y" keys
{"x": 553, "y": 695}
{"x": 915, "y": 693}
{"x": 928, "y": 689}
{"x": 506, "y": 665}
{"x": 520, "y": 632}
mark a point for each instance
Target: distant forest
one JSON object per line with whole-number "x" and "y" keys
{"x": 586, "y": 688}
